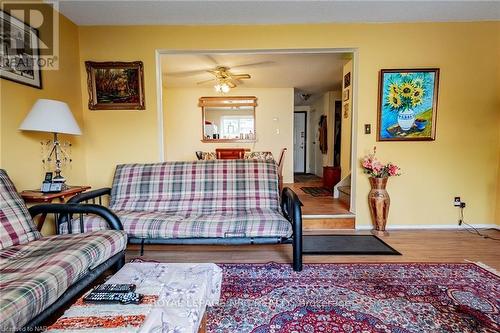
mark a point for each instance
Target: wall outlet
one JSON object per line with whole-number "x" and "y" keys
{"x": 457, "y": 202}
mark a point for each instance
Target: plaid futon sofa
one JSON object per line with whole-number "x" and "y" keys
{"x": 39, "y": 274}
{"x": 200, "y": 202}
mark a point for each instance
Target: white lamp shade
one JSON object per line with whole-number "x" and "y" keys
{"x": 48, "y": 115}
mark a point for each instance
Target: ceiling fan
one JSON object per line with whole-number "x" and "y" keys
{"x": 223, "y": 77}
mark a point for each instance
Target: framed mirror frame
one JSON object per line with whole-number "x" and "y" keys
{"x": 225, "y": 101}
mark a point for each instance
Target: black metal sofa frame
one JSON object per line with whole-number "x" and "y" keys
{"x": 290, "y": 205}
{"x": 115, "y": 262}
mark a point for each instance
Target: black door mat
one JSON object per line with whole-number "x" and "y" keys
{"x": 317, "y": 191}
{"x": 305, "y": 178}
{"x": 346, "y": 244}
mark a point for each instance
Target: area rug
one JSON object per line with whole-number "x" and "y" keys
{"x": 397, "y": 298}
{"x": 317, "y": 191}
{"x": 305, "y": 178}
{"x": 346, "y": 245}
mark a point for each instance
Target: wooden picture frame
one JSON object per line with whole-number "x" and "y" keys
{"x": 347, "y": 80}
{"x": 346, "y": 95}
{"x": 407, "y": 104}
{"x": 115, "y": 85}
{"x": 20, "y": 50}
{"x": 346, "y": 108}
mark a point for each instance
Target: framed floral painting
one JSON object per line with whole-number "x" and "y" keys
{"x": 407, "y": 104}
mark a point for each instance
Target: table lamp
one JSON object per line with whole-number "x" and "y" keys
{"x": 52, "y": 116}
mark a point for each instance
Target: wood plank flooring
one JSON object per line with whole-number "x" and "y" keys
{"x": 445, "y": 246}
{"x": 318, "y": 205}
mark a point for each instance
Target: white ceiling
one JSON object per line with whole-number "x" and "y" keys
{"x": 182, "y": 12}
{"x": 312, "y": 73}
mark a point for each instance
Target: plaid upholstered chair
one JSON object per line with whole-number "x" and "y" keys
{"x": 39, "y": 274}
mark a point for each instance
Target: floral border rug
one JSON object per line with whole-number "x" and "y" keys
{"x": 397, "y": 298}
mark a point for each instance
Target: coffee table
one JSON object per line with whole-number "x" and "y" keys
{"x": 175, "y": 299}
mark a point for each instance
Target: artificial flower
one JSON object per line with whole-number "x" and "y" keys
{"x": 373, "y": 167}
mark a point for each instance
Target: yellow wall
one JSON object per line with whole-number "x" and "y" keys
{"x": 21, "y": 154}
{"x": 346, "y": 133}
{"x": 462, "y": 161}
{"x": 182, "y": 124}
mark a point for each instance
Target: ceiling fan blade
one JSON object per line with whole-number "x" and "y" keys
{"x": 232, "y": 83}
{"x": 205, "y": 81}
{"x": 212, "y": 71}
{"x": 186, "y": 73}
{"x": 241, "y": 76}
{"x": 255, "y": 64}
{"x": 211, "y": 58}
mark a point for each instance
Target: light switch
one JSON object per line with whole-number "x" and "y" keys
{"x": 368, "y": 128}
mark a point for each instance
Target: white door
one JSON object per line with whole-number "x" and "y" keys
{"x": 299, "y": 141}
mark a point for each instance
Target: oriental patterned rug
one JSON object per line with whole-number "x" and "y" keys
{"x": 397, "y": 298}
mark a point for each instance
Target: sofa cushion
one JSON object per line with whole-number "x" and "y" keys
{"x": 16, "y": 224}
{"x": 218, "y": 224}
{"x": 203, "y": 186}
{"x": 36, "y": 274}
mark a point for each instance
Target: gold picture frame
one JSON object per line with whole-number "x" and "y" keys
{"x": 115, "y": 85}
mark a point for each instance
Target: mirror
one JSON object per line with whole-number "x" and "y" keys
{"x": 228, "y": 119}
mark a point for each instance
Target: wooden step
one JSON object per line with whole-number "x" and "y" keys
{"x": 328, "y": 223}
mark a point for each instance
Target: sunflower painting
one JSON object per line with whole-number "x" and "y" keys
{"x": 407, "y": 104}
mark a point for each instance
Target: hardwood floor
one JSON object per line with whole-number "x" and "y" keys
{"x": 318, "y": 205}
{"x": 445, "y": 246}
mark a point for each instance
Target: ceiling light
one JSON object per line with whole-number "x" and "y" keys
{"x": 222, "y": 87}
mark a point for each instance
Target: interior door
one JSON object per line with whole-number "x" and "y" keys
{"x": 299, "y": 141}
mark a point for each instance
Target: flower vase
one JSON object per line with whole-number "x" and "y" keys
{"x": 379, "y": 202}
{"x": 406, "y": 119}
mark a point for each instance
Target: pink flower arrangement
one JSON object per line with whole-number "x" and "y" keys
{"x": 373, "y": 167}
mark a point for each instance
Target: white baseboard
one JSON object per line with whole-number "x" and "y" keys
{"x": 432, "y": 226}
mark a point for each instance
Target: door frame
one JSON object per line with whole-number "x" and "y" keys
{"x": 305, "y": 139}
{"x": 354, "y": 109}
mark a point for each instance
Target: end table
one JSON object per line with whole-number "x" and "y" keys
{"x": 37, "y": 196}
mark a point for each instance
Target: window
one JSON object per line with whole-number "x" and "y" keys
{"x": 233, "y": 127}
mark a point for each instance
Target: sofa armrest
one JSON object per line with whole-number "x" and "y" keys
{"x": 66, "y": 210}
{"x": 291, "y": 207}
{"x": 90, "y": 195}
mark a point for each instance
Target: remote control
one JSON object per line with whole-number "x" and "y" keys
{"x": 106, "y": 297}
{"x": 115, "y": 288}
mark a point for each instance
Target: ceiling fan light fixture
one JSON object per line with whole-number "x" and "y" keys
{"x": 222, "y": 87}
